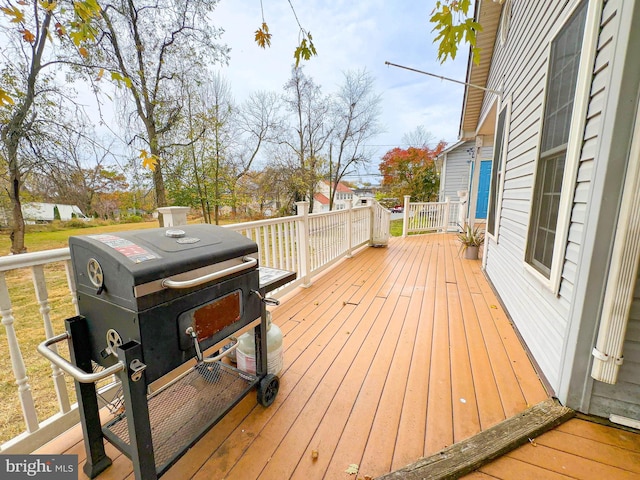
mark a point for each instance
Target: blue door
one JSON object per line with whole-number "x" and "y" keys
{"x": 484, "y": 183}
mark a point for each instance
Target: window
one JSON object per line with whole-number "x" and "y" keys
{"x": 561, "y": 88}
{"x": 496, "y": 172}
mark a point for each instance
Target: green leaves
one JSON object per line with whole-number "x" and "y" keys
{"x": 306, "y": 49}
{"x": 453, "y": 26}
{"x": 120, "y": 79}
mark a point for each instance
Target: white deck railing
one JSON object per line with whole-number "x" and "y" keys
{"x": 421, "y": 217}
{"x": 304, "y": 243}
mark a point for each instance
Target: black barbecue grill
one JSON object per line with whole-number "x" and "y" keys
{"x": 155, "y": 307}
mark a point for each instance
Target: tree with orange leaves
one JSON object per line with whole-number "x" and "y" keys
{"x": 412, "y": 171}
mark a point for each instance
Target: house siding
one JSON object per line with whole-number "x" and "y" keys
{"x": 540, "y": 315}
{"x": 456, "y": 172}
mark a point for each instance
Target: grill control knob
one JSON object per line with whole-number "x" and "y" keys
{"x": 175, "y": 233}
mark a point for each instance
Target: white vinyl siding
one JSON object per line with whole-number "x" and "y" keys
{"x": 456, "y": 171}
{"x": 540, "y": 314}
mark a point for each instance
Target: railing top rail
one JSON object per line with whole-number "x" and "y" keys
{"x": 30, "y": 259}
{"x": 24, "y": 260}
{"x": 260, "y": 223}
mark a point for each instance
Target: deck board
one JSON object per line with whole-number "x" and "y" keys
{"x": 576, "y": 449}
{"x": 390, "y": 355}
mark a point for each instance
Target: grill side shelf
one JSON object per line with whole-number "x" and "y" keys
{"x": 272, "y": 278}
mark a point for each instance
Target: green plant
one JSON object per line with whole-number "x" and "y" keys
{"x": 471, "y": 237}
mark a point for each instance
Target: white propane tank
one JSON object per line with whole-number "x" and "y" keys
{"x": 246, "y": 351}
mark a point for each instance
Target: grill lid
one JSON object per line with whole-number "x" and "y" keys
{"x": 114, "y": 264}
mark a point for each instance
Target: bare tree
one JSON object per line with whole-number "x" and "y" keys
{"x": 418, "y": 138}
{"x": 76, "y": 169}
{"x": 257, "y": 123}
{"x": 310, "y": 130}
{"x": 356, "y": 110}
{"x": 152, "y": 48}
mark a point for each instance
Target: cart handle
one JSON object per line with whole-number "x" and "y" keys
{"x": 69, "y": 368}
{"x": 248, "y": 262}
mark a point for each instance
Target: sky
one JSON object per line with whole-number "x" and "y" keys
{"x": 350, "y": 36}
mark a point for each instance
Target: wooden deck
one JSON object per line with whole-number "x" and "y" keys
{"x": 391, "y": 355}
{"x": 578, "y": 449}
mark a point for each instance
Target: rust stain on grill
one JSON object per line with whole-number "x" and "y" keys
{"x": 213, "y": 317}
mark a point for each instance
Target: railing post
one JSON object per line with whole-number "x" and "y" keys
{"x": 405, "y": 216}
{"x": 174, "y": 216}
{"x": 374, "y": 224}
{"x": 304, "y": 261}
{"x": 446, "y": 214}
{"x": 42, "y": 296}
{"x": 17, "y": 362}
{"x": 349, "y": 227}
{"x": 380, "y": 224}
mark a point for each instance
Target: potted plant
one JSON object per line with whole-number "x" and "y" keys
{"x": 470, "y": 241}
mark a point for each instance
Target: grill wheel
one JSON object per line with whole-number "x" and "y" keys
{"x": 268, "y": 390}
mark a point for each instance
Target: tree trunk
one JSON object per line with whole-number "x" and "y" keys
{"x": 17, "y": 228}
{"x": 13, "y": 132}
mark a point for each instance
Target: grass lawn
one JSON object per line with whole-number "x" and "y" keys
{"x": 396, "y": 228}
{"x": 39, "y": 238}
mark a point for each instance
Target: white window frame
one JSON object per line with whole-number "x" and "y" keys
{"x": 574, "y": 143}
{"x": 504, "y": 104}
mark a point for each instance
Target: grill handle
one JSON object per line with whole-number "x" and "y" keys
{"x": 248, "y": 262}
{"x": 69, "y": 368}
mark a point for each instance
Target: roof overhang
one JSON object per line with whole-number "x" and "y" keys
{"x": 487, "y": 13}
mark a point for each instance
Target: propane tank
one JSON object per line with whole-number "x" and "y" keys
{"x": 246, "y": 351}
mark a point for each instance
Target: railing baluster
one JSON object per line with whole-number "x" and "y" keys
{"x": 71, "y": 281}
{"x": 266, "y": 246}
{"x": 274, "y": 245}
{"x": 280, "y": 237}
{"x": 42, "y": 296}
{"x": 17, "y": 362}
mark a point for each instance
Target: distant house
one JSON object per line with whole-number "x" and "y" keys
{"x": 561, "y": 110}
{"x": 45, "y": 212}
{"x": 342, "y": 196}
{"x": 457, "y": 174}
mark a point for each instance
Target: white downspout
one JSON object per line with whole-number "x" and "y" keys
{"x": 623, "y": 274}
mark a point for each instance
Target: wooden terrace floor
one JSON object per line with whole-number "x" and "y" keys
{"x": 389, "y": 356}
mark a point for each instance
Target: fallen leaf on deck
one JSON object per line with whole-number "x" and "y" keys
{"x": 352, "y": 469}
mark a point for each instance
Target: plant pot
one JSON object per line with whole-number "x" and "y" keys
{"x": 471, "y": 252}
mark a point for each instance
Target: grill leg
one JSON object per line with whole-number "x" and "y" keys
{"x": 260, "y": 333}
{"x": 97, "y": 459}
{"x": 135, "y": 398}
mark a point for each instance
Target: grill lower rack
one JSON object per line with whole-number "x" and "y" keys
{"x": 180, "y": 414}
